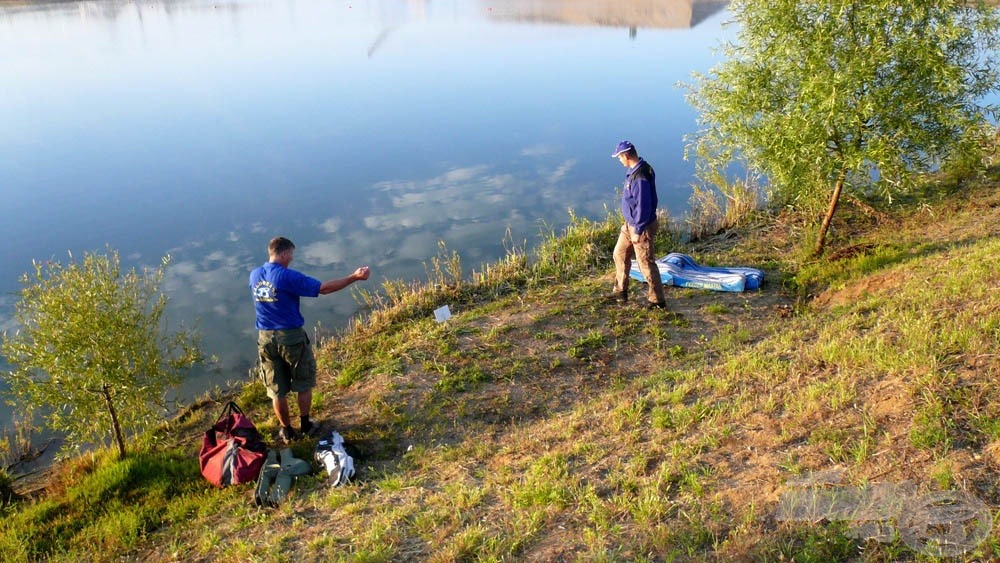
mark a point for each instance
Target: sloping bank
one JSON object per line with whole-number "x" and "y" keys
{"x": 542, "y": 422}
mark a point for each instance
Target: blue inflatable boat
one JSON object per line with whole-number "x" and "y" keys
{"x": 682, "y": 271}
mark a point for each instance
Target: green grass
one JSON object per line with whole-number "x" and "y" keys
{"x": 107, "y": 506}
{"x": 543, "y": 423}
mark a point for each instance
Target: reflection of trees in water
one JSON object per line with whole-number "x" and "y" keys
{"x": 701, "y": 11}
{"x": 633, "y": 14}
{"x": 112, "y": 9}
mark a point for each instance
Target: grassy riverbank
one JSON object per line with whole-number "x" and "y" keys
{"x": 544, "y": 423}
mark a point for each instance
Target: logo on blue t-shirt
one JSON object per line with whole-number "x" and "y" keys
{"x": 265, "y": 292}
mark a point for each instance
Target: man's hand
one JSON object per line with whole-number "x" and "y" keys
{"x": 330, "y": 286}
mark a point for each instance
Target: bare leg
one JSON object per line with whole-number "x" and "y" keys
{"x": 280, "y": 405}
{"x": 305, "y": 399}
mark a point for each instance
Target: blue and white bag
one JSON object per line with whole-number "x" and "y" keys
{"x": 339, "y": 465}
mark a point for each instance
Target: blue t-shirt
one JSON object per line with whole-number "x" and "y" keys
{"x": 276, "y": 291}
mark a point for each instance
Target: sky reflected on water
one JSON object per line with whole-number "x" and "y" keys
{"x": 365, "y": 131}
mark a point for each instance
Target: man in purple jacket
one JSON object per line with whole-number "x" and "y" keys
{"x": 637, "y": 234}
{"x": 286, "y": 358}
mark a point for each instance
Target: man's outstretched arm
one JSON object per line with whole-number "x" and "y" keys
{"x": 330, "y": 286}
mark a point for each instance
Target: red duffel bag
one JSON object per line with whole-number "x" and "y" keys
{"x": 232, "y": 450}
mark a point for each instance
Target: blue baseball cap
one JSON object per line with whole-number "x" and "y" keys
{"x": 622, "y": 147}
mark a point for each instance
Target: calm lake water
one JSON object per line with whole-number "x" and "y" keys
{"x": 364, "y": 130}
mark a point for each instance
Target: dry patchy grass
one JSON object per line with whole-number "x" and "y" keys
{"x": 551, "y": 425}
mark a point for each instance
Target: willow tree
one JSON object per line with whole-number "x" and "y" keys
{"x": 824, "y": 98}
{"x": 92, "y": 351}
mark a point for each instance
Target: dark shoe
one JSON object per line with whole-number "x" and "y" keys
{"x": 309, "y": 429}
{"x": 654, "y": 305}
{"x": 286, "y": 435}
{"x": 617, "y": 297}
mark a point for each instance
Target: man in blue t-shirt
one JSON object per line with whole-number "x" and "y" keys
{"x": 286, "y": 358}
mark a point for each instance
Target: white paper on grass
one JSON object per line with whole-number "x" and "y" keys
{"x": 441, "y": 314}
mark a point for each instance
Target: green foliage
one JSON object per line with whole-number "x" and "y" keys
{"x": 16, "y": 446}
{"x": 7, "y": 493}
{"x": 822, "y": 95}
{"x": 587, "y": 345}
{"x": 254, "y": 393}
{"x": 111, "y": 507}
{"x": 931, "y": 426}
{"x": 546, "y": 484}
{"x": 92, "y": 353}
{"x": 809, "y": 544}
{"x": 466, "y": 378}
{"x": 719, "y": 204}
{"x": 582, "y": 246}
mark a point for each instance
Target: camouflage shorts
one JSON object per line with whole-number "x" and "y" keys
{"x": 286, "y": 361}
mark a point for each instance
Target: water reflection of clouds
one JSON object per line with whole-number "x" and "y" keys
{"x": 560, "y": 172}
{"x": 322, "y": 253}
{"x": 219, "y": 274}
{"x": 190, "y": 278}
{"x": 460, "y": 194}
{"x": 418, "y": 244}
{"x": 208, "y": 292}
{"x": 331, "y": 225}
{"x": 8, "y": 323}
{"x": 471, "y": 207}
{"x": 538, "y": 150}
